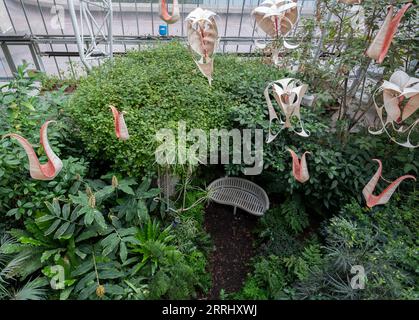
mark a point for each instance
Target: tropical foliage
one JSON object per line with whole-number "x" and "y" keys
{"x": 107, "y": 227}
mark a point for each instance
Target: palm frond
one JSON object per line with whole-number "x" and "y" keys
{"x": 32, "y": 290}
{"x": 9, "y": 264}
{"x": 13, "y": 266}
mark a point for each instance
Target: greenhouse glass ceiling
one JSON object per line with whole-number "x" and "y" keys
{"x": 41, "y": 32}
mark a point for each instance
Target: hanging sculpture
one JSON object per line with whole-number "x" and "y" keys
{"x": 384, "y": 196}
{"x": 299, "y": 167}
{"x": 277, "y": 19}
{"x": 288, "y": 94}
{"x": 164, "y": 14}
{"x": 38, "y": 171}
{"x": 401, "y": 101}
{"x": 382, "y": 41}
{"x": 203, "y": 39}
{"x": 121, "y": 129}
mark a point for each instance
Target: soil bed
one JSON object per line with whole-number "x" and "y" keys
{"x": 233, "y": 247}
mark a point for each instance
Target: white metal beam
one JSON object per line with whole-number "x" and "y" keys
{"x": 97, "y": 43}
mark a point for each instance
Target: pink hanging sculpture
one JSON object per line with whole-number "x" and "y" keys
{"x": 277, "y": 18}
{"x": 401, "y": 101}
{"x": 288, "y": 94}
{"x": 203, "y": 39}
{"x": 382, "y": 41}
{"x": 384, "y": 196}
{"x": 164, "y": 14}
{"x": 38, "y": 171}
{"x": 299, "y": 167}
{"x": 121, "y": 129}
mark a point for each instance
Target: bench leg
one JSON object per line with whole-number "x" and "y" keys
{"x": 235, "y": 210}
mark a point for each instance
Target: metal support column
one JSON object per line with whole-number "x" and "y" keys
{"x": 88, "y": 45}
{"x": 8, "y": 57}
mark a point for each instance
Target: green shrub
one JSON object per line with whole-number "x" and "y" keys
{"x": 252, "y": 290}
{"x": 294, "y": 213}
{"x": 23, "y": 110}
{"x": 339, "y": 167}
{"x": 157, "y": 88}
{"x": 382, "y": 240}
{"x": 276, "y": 234}
{"x": 267, "y": 281}
{"x": 105, "y": 236}
{"x": 302, "y": 264}
{"x": 101, "y": 231}
{"x": 21, "y": 196}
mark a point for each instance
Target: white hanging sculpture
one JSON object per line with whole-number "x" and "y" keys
{"x": 288, "y": 94}
{"x": 401, "y": 101}
{"x": 277, "y": 19}
{"x": 164, "y": 14}
{"x": 203, "y": 39}
{"x": 38, "y": 171}
{"x": 383, "y": 197}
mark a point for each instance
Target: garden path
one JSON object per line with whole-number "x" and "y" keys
{"x": 233, "y": 247}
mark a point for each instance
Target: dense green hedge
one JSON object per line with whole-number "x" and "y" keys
{"x": 157, "y": 88}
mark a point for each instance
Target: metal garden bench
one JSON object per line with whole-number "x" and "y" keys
{"x": 240, "y": 193}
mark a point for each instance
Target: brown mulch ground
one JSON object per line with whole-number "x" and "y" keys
{"x": 233, "y": 247}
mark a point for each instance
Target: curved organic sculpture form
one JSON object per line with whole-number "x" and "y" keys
{"x": 382, "y": 41}
{"x": 38, "y": 171}
{"x": 384, "y": 196}
{"x": 164, "y": 14}
{"x": 121, "y": 129}
{"x": 203, "y": 39}
{"x": 288, "y": 94}
{"x": 401, "y": 101}
{"x": 299, "y": 167}
{"x": 276, "y": 18}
